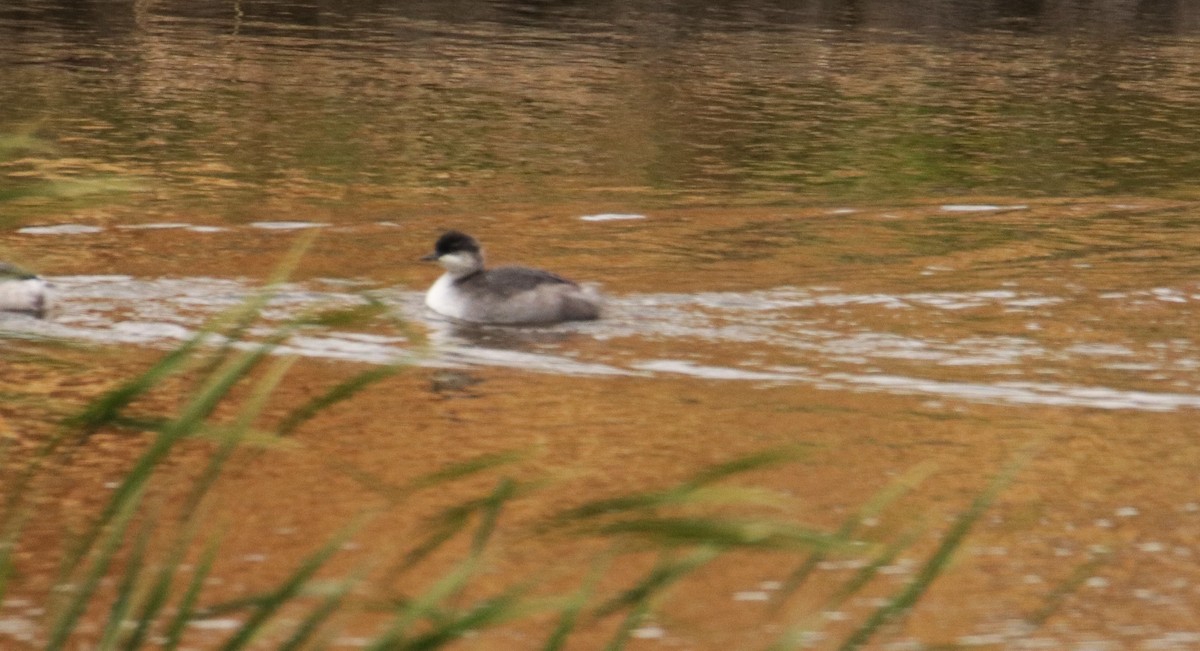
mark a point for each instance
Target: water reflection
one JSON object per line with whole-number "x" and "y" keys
{"x": 274, "y": 17}
{"x": 506, "y": 338}
{"x": 470, "y": 106}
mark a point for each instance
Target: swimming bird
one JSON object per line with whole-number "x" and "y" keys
{"x": 21, "y": 291}
{"x": 504, "y": 295}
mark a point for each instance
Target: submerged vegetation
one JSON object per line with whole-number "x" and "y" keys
{"x": 134, "y": 578}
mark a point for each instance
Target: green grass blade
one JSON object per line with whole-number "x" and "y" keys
{"x": 123, "y": 604}
{"x": 218, "y": 386}
{"x": 569, "y": 616}
{"x": 686, "y": 491}
{"x": 105, "y": 409}
{"x": 326, "y": 609}
{"x": 795, "y": 636}
{"x": 909, "y": 481}
{"x": 190, "y": 419}
{"x": 159, "y": 591}
{"x": 865, "y": 574}
{"x": 289, "y": 589}
{"x": 450, "y": 473}
{"x": 937, "y": 561}
{"x": 488, "y": 613}
{"x": 186, "y": 610}
{"x": 489, "y": 509}
{"x": 413, "y": 610}
{"x": 609, "y": 506}
{"x": 234, "y": 436}
{"x": 1059, "y": 594}
{"x": 455, "y": 519}
{"x": 343, "y": 317}
{"x": 13, "y": 524}
{"x": 667, "y": 572}
{"x": 638, "y": 614}
{"x": 76, "y": 605}
{"x": 743, "y": 465}
{"x": 240, "y": 604}
{"x": 720, "y": 532}
{"x": 443, "y": 533}
{"x": 490, "y": 514}
{"x": 464, "y": 469}
{"x": 333, "y": 396}
{"x": 236, "y": 322}
{"x": 638, "y": 598}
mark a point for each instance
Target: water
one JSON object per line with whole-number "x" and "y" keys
{"x": 898, "y": 233}
{"x": 474, "y": 107}
{"x": 822, "y": 337}
{"x": 990, "y": 333}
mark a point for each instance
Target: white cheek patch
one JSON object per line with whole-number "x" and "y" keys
{"x": 458, "y": 262}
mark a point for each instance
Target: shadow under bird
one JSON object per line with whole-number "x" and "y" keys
{"x": 505, "y": 295}
{"x": 21, "y": 291}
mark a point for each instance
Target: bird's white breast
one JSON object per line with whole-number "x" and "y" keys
{"x": 444, "y": 298}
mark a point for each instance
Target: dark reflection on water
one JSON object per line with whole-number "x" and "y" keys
{"x": 276, "y": 16}
{"x": 502, "y": 338}
{"x": 477, "y": 106}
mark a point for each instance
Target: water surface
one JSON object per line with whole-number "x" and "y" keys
{"x": 894, "y": 232}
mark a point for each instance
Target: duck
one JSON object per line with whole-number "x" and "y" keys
{"x": 511, "y": 295}
{"x": 21, "y": 291}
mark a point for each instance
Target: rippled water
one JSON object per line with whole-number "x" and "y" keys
{"x": 922, "y": 342}
{"x": 954, "y": 226}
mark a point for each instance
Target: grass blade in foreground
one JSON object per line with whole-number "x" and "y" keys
{"x": 191, "y": 419}
{"x": 159, "y": 591}
{"x": 842, "y": 536}
{"x": 721, "y": 532}
{"x": 187, "y": 604}
{"x": 668, "y": 571}
{"x": 938, "y": 561}
{"x": 339, "y": 393}
{"x": 570, "y": 610}
{"x": 412, "y": 611}
{"x": 67, "y": 619}
{"x": 326, "y": 609}
{"x": 289, "y": 589}
{"x": 639, "y": 598}
{"x": 124, "y": 603}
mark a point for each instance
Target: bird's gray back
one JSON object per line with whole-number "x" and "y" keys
{"x": 509, "y": 281}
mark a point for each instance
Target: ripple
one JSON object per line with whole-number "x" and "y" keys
{"x": 712, "y": 372}
{"x": 611, "y": 217}
{"x": 216, "y": 624}
{"x": 286, "y": 225}
{"x": 816, "y": 336}
{"x": 1026, "y": 393}
{"x": 60, "y": 229}
{"x": 981, "y": 207}
{"x": 157, "y": 226}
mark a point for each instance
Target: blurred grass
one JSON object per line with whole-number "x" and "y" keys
{"x": 34, "y": 180}
{"x": 685, "y": 527}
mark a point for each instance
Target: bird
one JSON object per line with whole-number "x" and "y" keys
{"x": 21, "y": 291}
{"x": 505, "y": 295}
